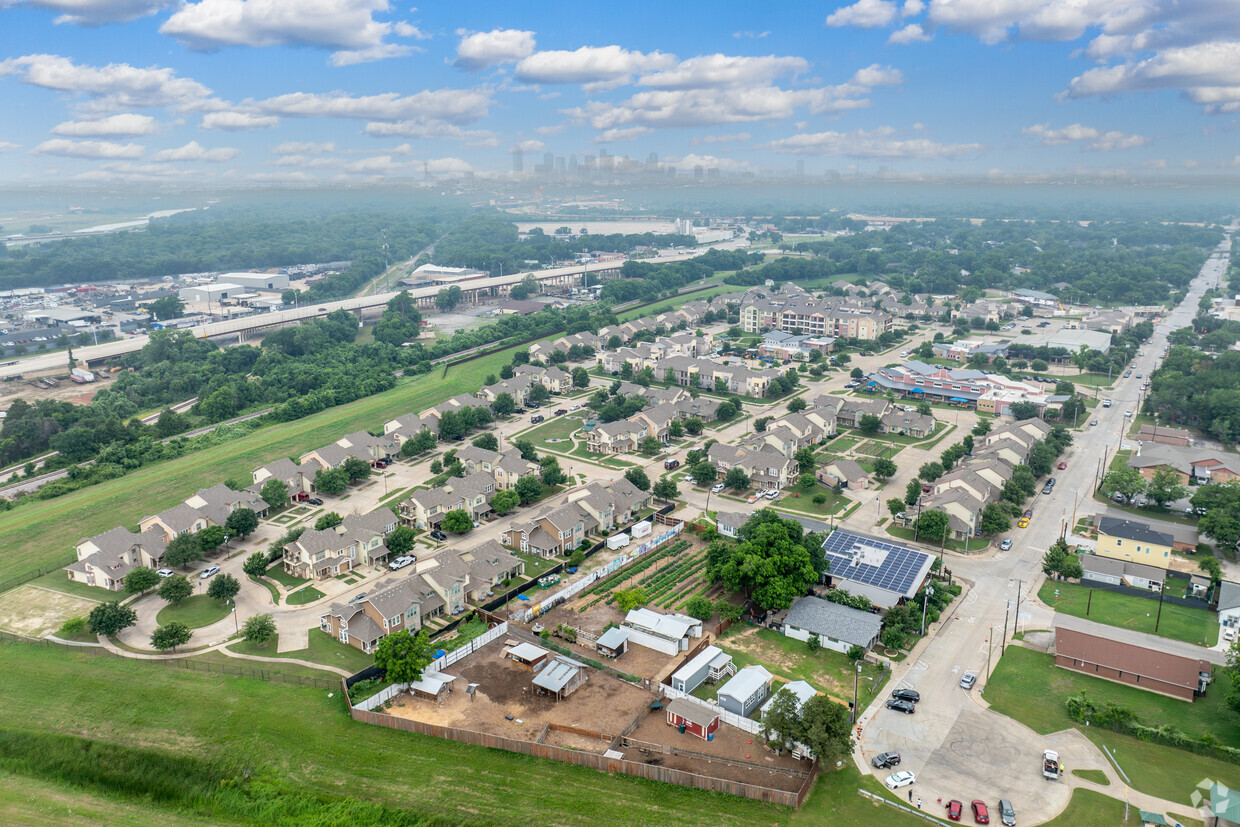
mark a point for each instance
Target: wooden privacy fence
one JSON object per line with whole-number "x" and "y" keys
{"x": 589, "y": 759}
{"x": 666, "y": 749}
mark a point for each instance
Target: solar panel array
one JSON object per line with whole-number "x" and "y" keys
{"x": 900, "y": 571}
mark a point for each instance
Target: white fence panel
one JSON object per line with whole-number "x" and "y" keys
{"x": 437, "y": 665}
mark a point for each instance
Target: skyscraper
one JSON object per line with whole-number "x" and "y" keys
{"x": 518, "y": 160}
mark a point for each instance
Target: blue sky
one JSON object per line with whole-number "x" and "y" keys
{"x": 351, "y": 91}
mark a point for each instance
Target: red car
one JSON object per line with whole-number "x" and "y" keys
{"x": 980, "y": 815}
{"x": 1062, "y": 466}
{"x": 954, "y": 809}
{"x": 301, "y": 496}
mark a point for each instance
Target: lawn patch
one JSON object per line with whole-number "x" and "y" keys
{"x": 195, "y": 612}
{"x": 309, "y": 594}
{"x": 277, "y": 573}
{"x": 1096, "y": 776}
{"x": 1131, "y": 612}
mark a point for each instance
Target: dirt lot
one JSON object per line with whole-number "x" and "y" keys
{"x": 603, "y": 704}
{"x": 66, "y": 391}
{"x": 829, "y": 680}
{"x": 37, "y": 612}
{"x": 760, "y": 767}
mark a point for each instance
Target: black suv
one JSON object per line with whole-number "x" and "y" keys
{"x": 910, "y": 695}
{"x": 886, "y": 759}
{"x": 901, "y": 706}
{"x": 438, "y": 535}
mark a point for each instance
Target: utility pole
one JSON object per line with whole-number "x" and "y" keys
{"x": 990, "y": 645}
{"x": 1162, "y": 588}
{"x": 1016, "y": 620}
{"x": 1003, "y": 645}
{"x": 852, "y": 718}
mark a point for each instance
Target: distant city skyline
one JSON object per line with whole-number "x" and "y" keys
{"x": 355, "y": 92}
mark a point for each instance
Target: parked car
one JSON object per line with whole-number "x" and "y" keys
{"x": 301, "y": 496}
{"x": 438, "y": 535}
{"x": 980, "y": 814}
{"x": 358, "y": 598}
{"x": 771, "y": 493}
{"x": 1093, "y": 423}
{"x": 1128, "y": 414}
{"x": 1028, "y": 513}
{"x": 671, "y": 464}
{"x": 1119, "y": 498}
{"x": 1229, "y": 634}
{"x": 1024, "y": 522}
{"x": 1006, "y": 544}
{"x": 314, "y": 501}
{"x": 910, "y": 695}
{"x": 968, "y": 681}
{"x": 1061, "y": 466}
{"x": 752, "y": 498}
{"x": 402, "y": 561}
{"x": 885, "y": 759}
{"x": 165, "y": 572}
{"x": 954, "y": 809}
{"x": 1006, "y": 814}
{"x": 899, "y": 779}
{"x": 209, "y": 571}
{"x": 687, "y": 478}
{"x": 536, "y": 418}
{"x": 901, "y": 706}
{"x": 717, "y": 488}
{"x": 1048, "y": 488}
{"x": 561, "y": 411}
{"x": 574, "y": 407}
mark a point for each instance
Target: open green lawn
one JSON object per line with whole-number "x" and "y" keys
{"x": 59, "y": 581}
{"x": 1128, "y": 612}
{"x": 323, "y": 649}
{"x": 308, "y": 594}
{"x": 195, "y": 612}
{"x": 975, "y": 544}
{"x": 313, "y": 747}
{"x": 1028, "y": 687}
{"x": 835, "y": 800}
{"x": 804, "y": 502}
{"x": 30, "y": 801}
{"x": 277, "y": 573}
{"x": 789, "y": 658}
{"x": 557, "y": 428}
{"x": 43, "y": 533}
{"x": 1091, "y": 809}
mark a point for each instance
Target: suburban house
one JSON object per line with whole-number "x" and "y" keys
{"x": 843, "y": 473}
{"x": 776, "y": 344}
{"x": 180, "y": 519}
{"x": 1198, "y": 465}
{"x": 295, "y": 478}
{"x": 904, "y": 423}
{"x": 556, "y": 531}
{"x": 712, "y": 664}
{"x": 1133, "y": 540}
{"x": 800, "y": 690}
{"x": 1150, "y": 669}
{"x": 619, "y": 437}
{"x": 692, "y": 717}
{"x": 319, "y": 554}
{"x": 765, "y": 467}
{"x": 728, "y": 523}
{"x": 426, "y": 508}
{"x": 887, "y": 573}
{"x": 666, "y": 633}
{"x": 409, "y": 426}
{"x": 837, "y": 626}
{"x": 1115, "y": 572}
{"x": 848, "y": 412}
{"x": 455, "y": 404}
{"x": 507, "y": 467}
{"x": 219, "y": 501}
{"x": 1164, "y": 435}
{"x": 518, "y": 387}
{"x": 963, "y": 510}
{"x": 1228, "y": 603}
{"x": 105, "y": 559}
{"x": 746, "y": 691}
{"x": 364, "y": 623}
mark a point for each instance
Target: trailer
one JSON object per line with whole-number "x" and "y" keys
{"x": 77, "y": 374}
{"x": 1050, "y": 765}
{"x": 616, "y": 541}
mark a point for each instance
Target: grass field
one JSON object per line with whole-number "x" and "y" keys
{"x": 791, "y": 659}
{"x": 309, "y": 594}
{"x": 195, "y": 612}
{"x": 1128, "y": 612}
{"x": 1026, "y": 686}
{"x": 558, "y": 428}
{"x": 323, "y": 649}
{"x": 29, "y": 801}
{"x": 804, "y": 504}
{"x": 954, "y": 545}
{"x": 43, "y": 534}
{"x": 58, "y": 581}
{"x": 277, "y": 573}
{"x": 320, "y": 751}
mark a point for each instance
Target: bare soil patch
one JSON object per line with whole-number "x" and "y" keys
{"x": 37, "y": 612}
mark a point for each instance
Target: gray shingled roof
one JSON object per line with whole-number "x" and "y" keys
{"x": 834, "y": 620}
{"x": 1132, "y": 530}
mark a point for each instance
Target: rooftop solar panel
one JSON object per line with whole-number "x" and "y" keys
{"x": 890, "y": 566}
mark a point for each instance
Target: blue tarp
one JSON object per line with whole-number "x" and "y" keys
{"x": 958, "y": 399}
{"x": 522, "y": 597}
{"x": 916, "y": 390}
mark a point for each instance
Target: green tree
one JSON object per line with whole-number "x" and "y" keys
{"x": 401, "y": 540}
{"x": 486, "y": 442}
{"x": 169, "y": 307}
{"x": 931, "y": 525}
{"x": 912, "y": 491}
{"x": 422, "y": 442}
{"x": 242, "y": 522}
{"x": 356, "y": 468}
{"x": 1039, "y": 365}
{"x": 639, "y": 479}
{"x": 759, "y": 424}
{"x": 699, "y": 608}
{"x": 1024, "y": 410}
{"x": 995, "y": 519}
{"x": 436, "y": 467}
{"x": 182, "y": 550}
{"x": 581, "y": 378}
{"x": 505, "y": 501}
{"x": 869, "y": 424}
{"x": 330, "y": 481}
{"x": 171, "y": 636}
{"x": 552, "y": 474}
{"x": 797, "y": 404}
{"x": 539, "y": 394}
{"x": 807, "y": 482}
{"x": 805, "y": 459}
{"x": 528, "y": 489}
{"x": 1062, "y": 560}
{"x": 930, "y": 471}
{"x": 258, "y": 629}
{"x": 825, "y": 729}
{"x": 211, "y": 538}
{"x": 448, "y": 298}
{"x": 403, "y": 656}
{"x": 650, "y": 446}
{"x": 329, "y": 520}
{"x": 676, "y": 429}
{"x": 170, "y": 423}
{"x": 141, "y": 579}
{"x": 576, "y": 558}
{"x": 855, "y": 653}
{"x": 224, "y": 587}
{"x": 1165, "y": 486}
{"x": 703, "y": 473}
{"x": 771, "y": 561}
{"x": 503, "y": 404}
{"x": 884, "y": 468}
{"x": 175, "y": 589}
{"x": 1041, "y": 458}
{"x": 781, "y": 722}
{"x": 1127, "y": 481}
{"x": 255, "y": 565}
{"x": 274, "y": 493}
{"x": 895, "y": 506}
{"x": 526, "y": 448}
{"x": 736, "y": 479}
{"x": 629, "y": 599}
{"x": 694, "y": 425}
{"x": 109, "y": 619}
{"x": 814, "y": 644}
{"x": 457, "y": 521}
{"x": 666, "y": 490}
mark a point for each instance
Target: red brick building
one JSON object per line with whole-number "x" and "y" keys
{"x": 1161, "y": 672}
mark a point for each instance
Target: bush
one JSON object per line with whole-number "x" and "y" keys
{"x": 72, "y": 628}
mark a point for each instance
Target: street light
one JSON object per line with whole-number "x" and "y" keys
{"x": 852, "y": 718}
{"x": 925, "y": 600}
{"x": 236, "y": 623}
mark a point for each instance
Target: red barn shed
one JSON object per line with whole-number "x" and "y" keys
{"x": 695, "y": 718}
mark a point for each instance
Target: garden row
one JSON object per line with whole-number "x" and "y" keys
{"x": 605, "y": 586}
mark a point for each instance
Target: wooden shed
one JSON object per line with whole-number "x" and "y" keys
{"x": 695, "y": 718}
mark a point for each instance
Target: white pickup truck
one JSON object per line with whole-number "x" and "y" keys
{"x": 1050, "y": 765}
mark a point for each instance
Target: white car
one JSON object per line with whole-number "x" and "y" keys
{"x": 209, "y": 571}
{"x": 1229, "y": 634}
{"x": 402, "y": 561}
{"x": 1127, "y": 414}
{"x": 687, "y": 478}
{"x": 717, "y": 488}
{"x": 899, "y": 779}
{"x": 771, "y": 493}
{"x": 575, "y": 408}
{"x": 968, "y": 681}
{"x": 165, "y": 572}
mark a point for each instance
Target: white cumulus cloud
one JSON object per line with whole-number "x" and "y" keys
{"x": 457, "y": 106}
{"x": 111, "y": 87}
{"x": 113, "y": 125}
{"x": 9, "y": 146}
{"x": 531, "y": 145}
{"x": 479, "y": 50}
{"x": 625, "y": 134}
{"x": 724, "y": 70}
{"x": 1087, "y": 136}
{"x": 88, "y": 149}
{"x": 601, "y": 66}
{"x": 347, "y": 25}
{"x": 866, "y": 14}
{"x": 97, "y": 12}
{"x": 912, "y": 33}
{"x": 193, "y": 151}
{"x": 719, "y": 139}
{"x": 875, "y": 144}
{"x": 299, "y": 147}
{"x": 238, "y": 121}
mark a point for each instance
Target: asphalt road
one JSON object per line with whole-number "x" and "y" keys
{"x": 956, "y": 747}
